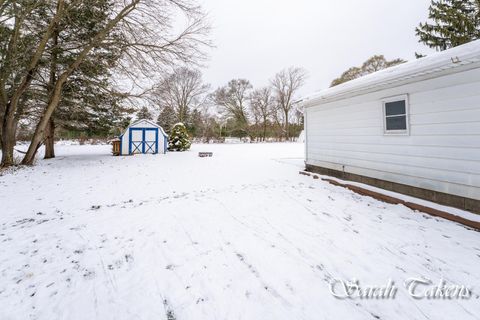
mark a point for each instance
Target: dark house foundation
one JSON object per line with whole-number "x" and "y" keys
{"x": 446, "y": 199}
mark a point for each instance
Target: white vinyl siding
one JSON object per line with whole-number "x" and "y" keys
{"x": 441, "y": 152}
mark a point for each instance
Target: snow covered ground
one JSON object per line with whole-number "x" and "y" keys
{"x": 238, "y": 236}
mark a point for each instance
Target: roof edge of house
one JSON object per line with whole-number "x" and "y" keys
{"x": 461, "y": 58}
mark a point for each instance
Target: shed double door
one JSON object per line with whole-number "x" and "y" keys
{"x": 143, "y": 140}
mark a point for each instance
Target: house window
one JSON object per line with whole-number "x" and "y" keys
{"x": 396, "y": 115}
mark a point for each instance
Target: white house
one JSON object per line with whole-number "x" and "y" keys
{"x": 413, "y": 128}
{"x": 143, "y": 136}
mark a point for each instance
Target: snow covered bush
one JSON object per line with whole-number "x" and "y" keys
{"x": 179, "y": 139}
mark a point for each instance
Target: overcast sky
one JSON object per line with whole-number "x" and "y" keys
{"x": 256, "y": 38}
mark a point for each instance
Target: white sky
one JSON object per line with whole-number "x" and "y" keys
{"x": 254, "y": 39}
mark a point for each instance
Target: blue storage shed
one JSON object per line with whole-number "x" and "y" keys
{"x": 143, "y": 137}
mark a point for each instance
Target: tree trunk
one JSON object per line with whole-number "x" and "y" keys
{"x": 287, "y": 134}
{"x": 1, "y": 126}
{"x": 50, "y": 129}
{"x": 9, "y": 130}
{"x": 43, "y": 123}
{"x": 264, "y": 130}
{"x": 50, "y": 140}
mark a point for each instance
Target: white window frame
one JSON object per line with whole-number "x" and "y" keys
{"x": 405, "y": 132}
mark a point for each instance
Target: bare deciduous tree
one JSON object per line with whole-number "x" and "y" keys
{"x": 285, "y": 85}
{"x": 373, "y": 64}
{"x": 233, "y": 99}
{"x": 262, "y": 104}
{"x": 181, "y": 91}
{"x": 378, "y": 62}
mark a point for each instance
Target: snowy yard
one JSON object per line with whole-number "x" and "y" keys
{"x": 238, "y": 236}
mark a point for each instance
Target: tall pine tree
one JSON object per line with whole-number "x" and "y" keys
{"x": 89, "y": 103}
{"x": 166, "y": 119}
{"x": 451, "y": 23}
{"x": 144, "y": 114}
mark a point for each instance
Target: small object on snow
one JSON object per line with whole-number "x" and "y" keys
{"x": 205, "y": 154}
{"x": 456, "y": 60}
{"x": 116, "y": 147}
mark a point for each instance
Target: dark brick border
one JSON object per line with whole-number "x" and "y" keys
{"x": 392, "y": 200}
{"x": 446, "y": 199}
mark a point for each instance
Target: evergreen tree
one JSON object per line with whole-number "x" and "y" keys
{"x": 144, "y": 113}
{"x": 452, "y": 23}
{"x": 88, "y": 104}
{"x": 195, "y": 123}
{"x": 19, "y": 63}
{"x": 179, "y": 139}
{"x": 166, "y": 119}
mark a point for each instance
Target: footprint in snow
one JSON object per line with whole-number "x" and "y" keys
{"x": 89, "y": 274}
{"x": 116, "y": 265}
{"x": 128, "y": 258}
{"x": 77, "y": 228}
{"x": 43, "y": 221}
{"x": 168, "y": 310}
{"x": 289, "y": 287}
{"x": 401, "y": 269}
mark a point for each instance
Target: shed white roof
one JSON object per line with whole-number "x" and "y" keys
{"x": 454, "y": 60}
{"x": 144, "y": 121}
{"x": 137, "y": 122}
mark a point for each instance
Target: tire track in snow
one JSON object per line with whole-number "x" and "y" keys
{"x": 269, "y": 288}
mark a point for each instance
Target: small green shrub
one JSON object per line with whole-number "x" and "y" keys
{"x": 179, "y": 139}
